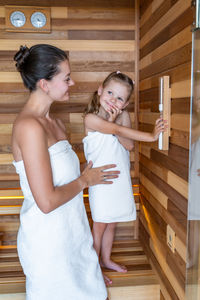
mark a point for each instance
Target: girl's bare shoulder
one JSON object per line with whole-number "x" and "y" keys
{"x": 123, "y": 118}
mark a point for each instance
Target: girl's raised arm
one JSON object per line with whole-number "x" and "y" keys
{"x": 93, "y": 122}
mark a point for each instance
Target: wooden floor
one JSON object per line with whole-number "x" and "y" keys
{"x": 139, "y": 283}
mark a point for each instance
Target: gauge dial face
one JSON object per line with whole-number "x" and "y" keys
{"x": 17, "y": 19}
{"x": 38, "y": 19}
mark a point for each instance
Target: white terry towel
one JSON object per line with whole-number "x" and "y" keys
{"x": 113, "y": 202}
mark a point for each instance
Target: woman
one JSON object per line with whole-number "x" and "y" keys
{"x": 54, "y": 239}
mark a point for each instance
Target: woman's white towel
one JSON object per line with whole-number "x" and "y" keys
{"x": 56, "y": 249}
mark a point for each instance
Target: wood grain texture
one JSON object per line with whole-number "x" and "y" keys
{"x": 165, "y": 49}
{"x": 184, "y": 20}
{"x": 178, "y": 57}
{"x": 156, "y": 10}
{"x": 139, "y": 281}
{"x": 179, "y": 40}
{"x": 172, "y": 14}
{"x": 71, "y": 3}
{"x": 72, "y": 45}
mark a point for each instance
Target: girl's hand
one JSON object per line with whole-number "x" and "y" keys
{"x": 94, "y": 176}
{"x": 113, "y": 113}
{"x": 159, "y": 127}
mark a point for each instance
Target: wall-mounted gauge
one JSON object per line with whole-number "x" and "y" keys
{"x": 17, "y": 18}
{"x": 28, "y": 19}
{"x": 38, "y": 19}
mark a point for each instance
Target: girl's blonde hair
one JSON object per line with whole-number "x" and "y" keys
{"x": 94, "y": 104}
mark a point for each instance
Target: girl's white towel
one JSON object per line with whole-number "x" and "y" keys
{"x": 112, "y": 202}
{"x": 56, "y": 249}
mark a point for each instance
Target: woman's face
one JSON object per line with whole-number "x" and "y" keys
{"x": 58, "y": 86}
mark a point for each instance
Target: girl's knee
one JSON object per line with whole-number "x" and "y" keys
{"x": 112, "y": 225}
{"x": 97, "y": 226}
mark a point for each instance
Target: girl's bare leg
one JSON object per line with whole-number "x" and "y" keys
{"x": 98, "y": 230}
{"x": 106, "y": 248}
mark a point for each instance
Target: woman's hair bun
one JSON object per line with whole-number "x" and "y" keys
{"x": 21, "y": 56}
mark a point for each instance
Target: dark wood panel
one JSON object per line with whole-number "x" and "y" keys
{"x": 180, "y": 231}
{"x": 77, "y": 88}
{"x": 70, "y": 3}
{"x": 150, "y": 101}
{"x": 179, "y": 154}
{"x": 6, "y": 148}
{"x": 177, "y": 264}
{"x": 174, "y": 260}
{"x": 56, "y": 108}
{"x": 156, "y": 222}
{"x": 158, "y": 13}
{"x": 144, "y": 6}
{"x": 178, "y": 57}
{"x": 179, "y": 24}
{"x": 81, "y": 66}
{"x": 177, "y": 214}
{"x": 68, "y": 107}
{"x": 161, "y": 296}
{"x": 180, "y": 105}
{"x": 8, "y": 169}
{"x": 114, "y": 13}
{"x": 9, "y": 184}
{"x": 149, "y": 95}
{"x": 96, "y": 24}
{"x": 173, "y": 263}
{"x": 157, "y": 266}
{"x": 101, "y": 35}
{"x": 170, "y": 163}
{"x": 171, "y": 193}
{"x": 53, "y": 35}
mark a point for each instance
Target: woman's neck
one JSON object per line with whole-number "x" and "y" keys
{"x": 38, "y": 104}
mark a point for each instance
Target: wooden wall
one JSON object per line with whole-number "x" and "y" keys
{"x": 165, "y": 49}
{"x": 99, "y": 36}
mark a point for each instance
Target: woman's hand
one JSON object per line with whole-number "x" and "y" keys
{"x": 93, "y": 176}
{"x": 160, "y": 126}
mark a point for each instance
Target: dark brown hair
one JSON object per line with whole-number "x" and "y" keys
{"x": 38, "y": 62}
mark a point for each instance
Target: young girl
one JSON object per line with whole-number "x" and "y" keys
{"x": 109, "y": 138}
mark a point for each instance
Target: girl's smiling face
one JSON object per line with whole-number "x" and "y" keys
{"x": 114, "y": 94}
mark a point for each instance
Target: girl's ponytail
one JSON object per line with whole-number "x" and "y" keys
{"x": 93, "y": 105}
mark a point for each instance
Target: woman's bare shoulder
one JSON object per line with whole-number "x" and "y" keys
{"x": 26, "y": 123}
{"x": 27, "y": 127}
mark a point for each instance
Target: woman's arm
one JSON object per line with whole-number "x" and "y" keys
{"x": 93, "y": 122}
{"x": 34, "y": 149}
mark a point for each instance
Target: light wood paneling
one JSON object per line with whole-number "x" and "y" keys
{"x": 99, "y": 37}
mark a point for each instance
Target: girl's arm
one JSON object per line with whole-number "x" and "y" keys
{"x": 33, "y": 145}
{"x": 93, "y": 122}
{"x": 124, "y": 120}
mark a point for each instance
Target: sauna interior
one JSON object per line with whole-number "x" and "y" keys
{"x": 145, "y": 39}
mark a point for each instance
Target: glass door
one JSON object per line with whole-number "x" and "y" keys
{"x": 193, "y": 250}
